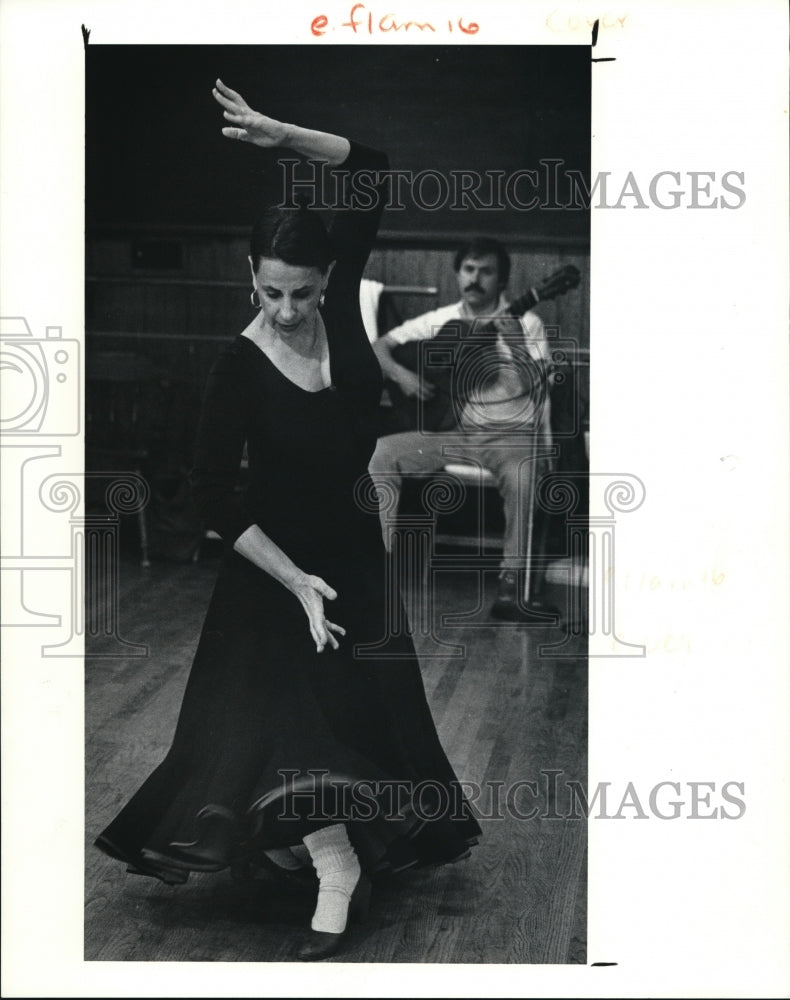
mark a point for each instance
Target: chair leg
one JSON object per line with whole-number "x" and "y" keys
{"x": 528, "y": 491}
{"x": 536, "y": 568}
{"x": 143, "y": 524}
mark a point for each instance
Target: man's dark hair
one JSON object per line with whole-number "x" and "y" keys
{"x": 480, "y": 246}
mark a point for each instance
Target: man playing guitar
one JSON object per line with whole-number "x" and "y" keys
{"x": 480, "y": 394}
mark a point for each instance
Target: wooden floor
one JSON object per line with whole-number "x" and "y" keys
{"x": 505, "y": 714}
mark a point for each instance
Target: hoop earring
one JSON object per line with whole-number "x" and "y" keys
{"x": 321, "y": 298}
{"x": 253, "y": 293}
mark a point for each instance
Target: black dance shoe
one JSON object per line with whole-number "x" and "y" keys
{"x": 211, "y": 851}
{"x": 170, "y": 876}
{"x": 138, "y": 865}
{"x": 259, "y": 866}
{"x": 322, "y": 944}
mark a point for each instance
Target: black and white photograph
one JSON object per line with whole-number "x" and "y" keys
{"x": 393, "y": 426}
{"x": 354, "y": 437}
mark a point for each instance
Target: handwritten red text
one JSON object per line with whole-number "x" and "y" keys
{"x": 365, "y": 22}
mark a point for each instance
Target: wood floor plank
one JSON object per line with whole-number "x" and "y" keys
{"x": 505, "y": 715}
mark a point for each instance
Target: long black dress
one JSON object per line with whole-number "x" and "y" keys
{"x": 273, "y": 739}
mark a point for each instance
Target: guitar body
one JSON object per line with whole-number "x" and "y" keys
{"x": 441, "y": 362}
{"x": 466, "y": 370}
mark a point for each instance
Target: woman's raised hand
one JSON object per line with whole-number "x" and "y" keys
{"x": 311, "y": 591}
{"x": 247, "y": 125}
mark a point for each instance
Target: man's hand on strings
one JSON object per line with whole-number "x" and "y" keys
{"x": 411, "y": 384}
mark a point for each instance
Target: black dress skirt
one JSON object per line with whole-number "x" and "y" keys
{"x": 274, "y": 740}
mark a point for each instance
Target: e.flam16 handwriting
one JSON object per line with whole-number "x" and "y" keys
{"x": 362, "y": 21}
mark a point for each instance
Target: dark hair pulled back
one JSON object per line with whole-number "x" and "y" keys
{"x": 295, "y": 236}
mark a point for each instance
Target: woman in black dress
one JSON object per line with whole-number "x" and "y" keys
{"x": 304, "y": 732}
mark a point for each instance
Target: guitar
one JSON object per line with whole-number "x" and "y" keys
{"x": 464, "y": 365}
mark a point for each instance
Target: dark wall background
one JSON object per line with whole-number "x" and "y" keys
{"x": 169, "y": 201}
{"x": 155, "y": 153}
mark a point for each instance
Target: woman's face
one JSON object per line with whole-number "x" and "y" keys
{"x": 289, "y": 295}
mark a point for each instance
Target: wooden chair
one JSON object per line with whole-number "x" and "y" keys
{"x": 119, "y": 431}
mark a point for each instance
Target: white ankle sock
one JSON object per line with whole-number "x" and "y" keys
{"x": 338, "y": 872}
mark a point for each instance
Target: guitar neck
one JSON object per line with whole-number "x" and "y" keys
{"x": 522, "y": 304}
{"x": 517, "y": 309}
{"x": 560, "y": 282}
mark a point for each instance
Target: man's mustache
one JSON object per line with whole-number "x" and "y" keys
{"x": 473, "y": 288}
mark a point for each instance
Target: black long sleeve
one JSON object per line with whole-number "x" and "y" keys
{"x": 354, "y": 229}
{"x": 355, "y": 369}
{"x": 233, "y": 392}
{"x": 221, "y": 435}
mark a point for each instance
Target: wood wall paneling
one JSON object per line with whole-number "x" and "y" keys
{"x": 180, "y": 317}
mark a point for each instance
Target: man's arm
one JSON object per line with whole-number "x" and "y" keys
{"x": 538, "y": 347}
{"x": 420, "y": 328}
{"x": 535, "y": 336}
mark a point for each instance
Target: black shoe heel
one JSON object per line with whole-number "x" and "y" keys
{"x": 322, "y": 944}
{"x": 359, "y": 907}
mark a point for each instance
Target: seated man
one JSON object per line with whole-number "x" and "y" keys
{"x": 505, "y": 429}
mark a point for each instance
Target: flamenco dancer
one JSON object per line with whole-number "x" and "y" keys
{"x": 304, "y": 734}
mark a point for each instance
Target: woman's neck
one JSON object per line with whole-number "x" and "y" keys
{"x": 307, "y": 343}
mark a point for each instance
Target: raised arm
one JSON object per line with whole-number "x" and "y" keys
{"x": 353, "y": 232}
{"x": 251, "y": 126}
